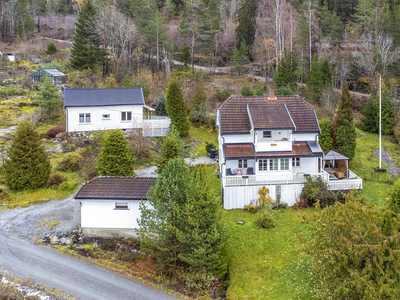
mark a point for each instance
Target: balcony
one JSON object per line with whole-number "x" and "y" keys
{"x": 155, "y": 125}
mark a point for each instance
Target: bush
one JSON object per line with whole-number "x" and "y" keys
{"x": 251, "y": 208}
{"x": 246, "y": 91}
{"x": 209, "y": 146}
{"x": 55, "y": 180}
{"x": 221, "y": 94}
{"x": 284, "y": 90}
{"x": 52, "y": 133}
{"x": 266, "y": 219}
{"x": 70, "y": 162}
{"x": 315, "y": 190}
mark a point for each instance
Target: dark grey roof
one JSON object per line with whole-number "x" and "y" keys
{"x": 315, "y": 147}
{"x": 333, "y": 155}
{"x": 103, "y": 97}
{"x": 116, "y": 188}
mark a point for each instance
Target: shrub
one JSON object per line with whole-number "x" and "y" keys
{"x": 300, "y": 203}
{"x": 315, "y": 190}
{"x": 284, "y": 90}
{"x": 209, "y": 146}
{"x": 266, "y": 219}
{"x": 55, "y": 180}
{"x": 251, "y": 208}
{"x": 52, "y": 133}
{"x": 70, "y": 162}
{"x": 221, "y": 94}
{"x": 246, "y": 91}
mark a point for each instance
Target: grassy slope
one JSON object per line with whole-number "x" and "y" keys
{"x": 269, "y": 264}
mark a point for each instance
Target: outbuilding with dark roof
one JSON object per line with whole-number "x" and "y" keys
{"x": 110, "y": 205}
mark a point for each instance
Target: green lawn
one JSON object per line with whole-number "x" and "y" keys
{"x": 201, "y": 135}
{"x": 268, "y": 263}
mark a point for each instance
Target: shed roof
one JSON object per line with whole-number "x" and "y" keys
{"x": 118, "y": 188}
{"x": 103, "y": 97}
{"x": 235, "y": 119}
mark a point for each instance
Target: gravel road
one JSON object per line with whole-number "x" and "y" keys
{"x": 76, "y": 277}
{"x": 392, "y": 168}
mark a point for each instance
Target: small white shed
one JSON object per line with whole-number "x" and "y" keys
{"x": 110, "y": 205}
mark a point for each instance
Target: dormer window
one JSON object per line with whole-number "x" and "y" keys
{"x": 266, "y": 134}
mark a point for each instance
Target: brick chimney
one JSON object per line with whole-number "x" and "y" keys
{"x": 271, "y": 95}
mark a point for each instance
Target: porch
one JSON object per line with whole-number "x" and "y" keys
{"x": 155, "y": 125}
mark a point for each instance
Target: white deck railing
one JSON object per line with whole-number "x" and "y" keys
{"x": 353, "y": 182}
{"x": 155, "y": 125}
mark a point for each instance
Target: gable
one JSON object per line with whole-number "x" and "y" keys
{"x": 234, "y": 115}
{"x": 116, "y": 188}
{"x": 270, "y": 116}
{"x": 103, "y": 97}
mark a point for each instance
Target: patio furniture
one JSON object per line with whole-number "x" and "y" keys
{"x": 340, "y": 172}
{"x": 250, "y": 171}
{"x": 229, "y": 172}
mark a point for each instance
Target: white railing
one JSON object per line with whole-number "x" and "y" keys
{"x": 243, "y": 180}
{"x": 352, "y": 183}
{"x": 156, "y": 126}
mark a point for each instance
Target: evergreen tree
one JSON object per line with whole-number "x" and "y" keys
{"x": 325, "y": 138}
{"x": 246, "y": 19}
{"x": 85, "y": 51}
{"x": 186, "y": 54}
{"x": 202, "y": 233}
{"x": 176, "y": 109}
{"x": 51, "y": 49}
{"x": 326, "y": 71}
{"x": 181, "y": 224}
{"x": 116, "y": 157}
{"x": 315, "y": 83}
{"x": 49, "y": 100}
{"x": 345, "y": 129}
{"x": 370, "y": 121}
{"x": 246, "y": 91}
{"x": 239, "y": 57}
{"x": 160, "y": 106}
{"x": 286, "y": 73}
{"x": 199, "y": 98}
{"x": 330, "y": 24}
{"x": 27, "y": 166}
{"x": 172, "y": 147}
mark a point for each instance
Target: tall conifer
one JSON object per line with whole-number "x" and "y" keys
{"x": 176, "y": 109}
{"x": 85, "y": 52}
{"x": 344, "y": 126}
{"x": 246, "y": 19}
{"x": 27, "y": 166}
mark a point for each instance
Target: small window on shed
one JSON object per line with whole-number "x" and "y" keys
{"x": 107, "y": 116}
{"x": 121, "y": 205}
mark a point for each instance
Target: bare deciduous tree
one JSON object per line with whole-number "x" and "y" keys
{"x": 386, "y": 51}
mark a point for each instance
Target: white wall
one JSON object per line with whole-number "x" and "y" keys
{"x": 302, "y": 137}
{"x": 307, "y": 165}
{"x": 233, "y": 164}
{"x": 276, "y": 135}
{"x": 102, "y": 214}
{"x": 97, "y": 121}
{"x": 238, "y": 138}
{"x": 239, "y": 196}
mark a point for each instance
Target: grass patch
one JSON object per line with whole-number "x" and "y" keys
{"x": 268, "y": 263}
{"x": 201, "y": 135}
{"x": 376, "y": 187}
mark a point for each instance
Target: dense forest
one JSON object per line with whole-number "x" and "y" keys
{"x": 357, "y": 38}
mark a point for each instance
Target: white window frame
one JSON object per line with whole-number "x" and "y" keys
{"x": 296, "y": 162}
{"x": 126, "y": 116}
{"x": 121, "y": 205}
{"x": 274, "y": 164}
{"x": 242, "y": 163}
{"x": 263, "y": 165}
{"x": 267, "y": 134}
{"x": 106, "y": 116}
{"x": 86, "y": 118}
{"x": 285, "y": 164}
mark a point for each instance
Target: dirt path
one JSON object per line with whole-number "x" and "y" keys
{"x": 392, "y": 168}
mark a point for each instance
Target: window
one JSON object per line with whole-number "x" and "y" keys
{"x": 106, "y": 116}
{"x": 121, "y": 205}
{"x": 263, "y": 165}
{"x": 296, "y": 161}
{"x": 285, "y": 164}
{"x": 242, "y": 163}
{"x": 126, "y": 116}
{"x": 266, "y": 134}
{"x": 274, "y": 164}
{"x": 84, "y": 118}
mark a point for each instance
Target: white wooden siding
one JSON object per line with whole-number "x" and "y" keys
{"x": 102, "y": 214}
{"x": 238, "y": 138}
{"x": 233, "y": 164}
{"x": 239, "y": 196}
{"x": 96, "y": 118}
{"x": 302, "y": 137}
{"x": 276, "y": 135}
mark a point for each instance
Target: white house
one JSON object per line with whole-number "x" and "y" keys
{"x": 273, "y": 142}
{"x": 110, "y": 205}
{"x": 104, "y": 109}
